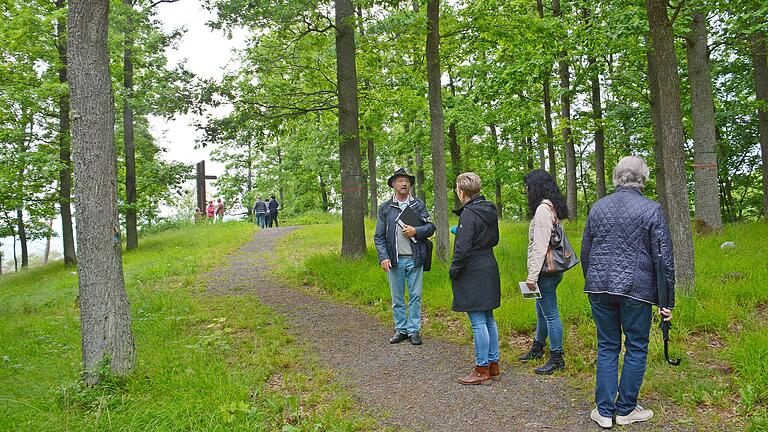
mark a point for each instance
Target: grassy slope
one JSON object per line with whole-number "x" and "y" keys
{"x": 721, "y": 330}
{"x": 204, "y": 362}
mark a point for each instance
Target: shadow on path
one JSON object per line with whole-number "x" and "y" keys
{"x": 405, "y": 386}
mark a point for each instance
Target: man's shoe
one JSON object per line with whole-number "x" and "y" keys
{"x": 415, "y": 338}
{"x": 555, "y": 363}
{"x": 536, "y": 352}
{"x": 603, "y": 422}
{"x": 478, "y": 376}
{"x": 398, "y": 337}
{"x": 493, "y": 369}
{"x": 637, "y": 415}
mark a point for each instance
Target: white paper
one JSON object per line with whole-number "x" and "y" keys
{"x": 528, "y": 294}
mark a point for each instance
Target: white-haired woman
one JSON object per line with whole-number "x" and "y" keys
{"x": 624, "y": 234}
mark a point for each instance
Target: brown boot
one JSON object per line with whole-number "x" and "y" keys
{"x": 493, "y": 369}
{"x": 479, "y": 375}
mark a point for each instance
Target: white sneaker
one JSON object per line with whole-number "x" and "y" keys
{"x": 604, "y": 422}
{"x": 637, "y": 415}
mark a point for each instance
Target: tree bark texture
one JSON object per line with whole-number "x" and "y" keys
{"x": 324, "y": 194}
{"x": 129, "y": 145}
{"x": 597, "y": 118}
{"x": 706, "y": 186}
{"x": 442, "y": 242}
{"x": 455, "y": 160}
{"x": 104, "y": 309}
{"x": 373, "y": 187}
{"x": 565, "y": 118}
{"x": 65, "y": 156}
{"x": 760, "y": 70}
{"x": 673, "y": 140}
{"x": 352, "y": 198}
{"x": 658, "y": 148}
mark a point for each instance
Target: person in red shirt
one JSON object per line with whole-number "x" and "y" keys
{"x": 210, "y": 211}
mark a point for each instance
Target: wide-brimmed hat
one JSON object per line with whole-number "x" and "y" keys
{"x": 401, "y": 172}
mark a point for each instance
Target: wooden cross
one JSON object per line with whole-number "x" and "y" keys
{"x": 201, "y": 178}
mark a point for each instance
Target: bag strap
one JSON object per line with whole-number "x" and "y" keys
{"x": 555, "y": 220}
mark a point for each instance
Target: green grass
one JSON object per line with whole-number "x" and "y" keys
{"x": 204, "y": 362}
{"x": 720, "y": 332}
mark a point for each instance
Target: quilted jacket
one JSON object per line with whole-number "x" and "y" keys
{"x": 385, "y": 237}
{"x": 620, "y": 247}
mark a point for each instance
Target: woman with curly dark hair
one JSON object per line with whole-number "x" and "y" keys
{"x": 548, "y": 206}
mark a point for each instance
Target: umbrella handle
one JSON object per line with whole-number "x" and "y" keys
{"x": 665, "y": 326}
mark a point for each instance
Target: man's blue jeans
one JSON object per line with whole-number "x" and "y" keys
{"x": 547, "y": 316}
{"x": 260, "y": 221}
{"x": 612, "y": 314}
{"x": 398, "y": 276}
{"x": 486, "y": 336}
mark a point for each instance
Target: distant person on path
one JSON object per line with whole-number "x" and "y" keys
{"x": 475, "y": 277}
{"x": 260, "y": 209}
{"x": 624, "y": 234}
{"x": 220, "y": 211}
{"x": 401, "y": 257}
{"x": 210, "y": 211}
{"x": 199, "y": 216}
{"x": 273, "y": 206}
{"x": 547, "y": 205}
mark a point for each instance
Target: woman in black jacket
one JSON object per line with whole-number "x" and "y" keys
{"x": 474, "y": 276}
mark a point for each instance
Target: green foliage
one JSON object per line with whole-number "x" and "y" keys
{"x": 723, "y": 329}
{"x": 205, "y": 362}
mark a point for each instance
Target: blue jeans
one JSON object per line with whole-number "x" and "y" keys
{"x": 398, "y": 276}
{"x": 486, "y": 336}
{"x": 614, "y": 314}
{"x": 260, "y": 221}
{"x": 547, "y": 316}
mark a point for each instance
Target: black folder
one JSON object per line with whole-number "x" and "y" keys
{"x": 409, "y": 217}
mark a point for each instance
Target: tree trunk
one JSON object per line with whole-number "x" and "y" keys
{"x": 373, "y": 187}
{"x": 673, "y": 140}
{"x": 280, "y": 189}
{"x": 658, "y": 148}
{"x": 442, "y": 241}
{"x": 760, "y": 70}
{"x": 352, "y": 198}
{"x": 104, "y": 310}
{"x": 548, "y": 111}
{"x": 597, "y": 117}
{"x": 496, "y": 168}
{"x": 455, "y": 160}
{"x": 131, "y": 233}
{"x": 22, "y": 230}
{"x": 65, "y": 174}
{"x": 15, "y": 257}
{"x": 706, "y": 187}
{"x": 420, "y": 177}
{"x": 47, "y": 252}
{"x": 323, "y": 193}
{"x": 565, "y": 118}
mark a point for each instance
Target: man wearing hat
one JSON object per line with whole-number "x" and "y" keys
{"x": 402, "y": 251}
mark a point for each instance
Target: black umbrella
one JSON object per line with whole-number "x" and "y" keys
{"x": 661, "y": 283}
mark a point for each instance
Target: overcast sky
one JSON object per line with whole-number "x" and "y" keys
{"x": 207, "y": 54}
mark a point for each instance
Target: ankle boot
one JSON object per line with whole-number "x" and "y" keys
{"x": 555, "y": 363}
{"x": 493, "y": 370}
{"x": 479, "y": 375}
{"x": 536, "y": 352}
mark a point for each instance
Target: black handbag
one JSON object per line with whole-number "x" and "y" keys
{"x": 560, "y": 254}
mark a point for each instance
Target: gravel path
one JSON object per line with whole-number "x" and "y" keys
{"x": 407, "y": 387}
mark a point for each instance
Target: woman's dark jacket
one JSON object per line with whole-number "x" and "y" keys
{"x": 474, "y": 271}
{"x": 620, "y": 247}
{"x": 385, "y": 237}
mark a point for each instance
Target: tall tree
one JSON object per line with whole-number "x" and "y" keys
{"x": 352, "y": 198}
{"x": 131, "y": 231}
{"x": 105, "y": 313}
{"x": 565, "y": 119}
{"x": 658, "y": 138}
{"x": 442, "y": 243}
{"x": 548, "y": 108}
{"x": 64, "y": 134}
{"x": 760, "y": 72}
{"x": 706, "y": 185}
{"x": 673, "y": 141}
